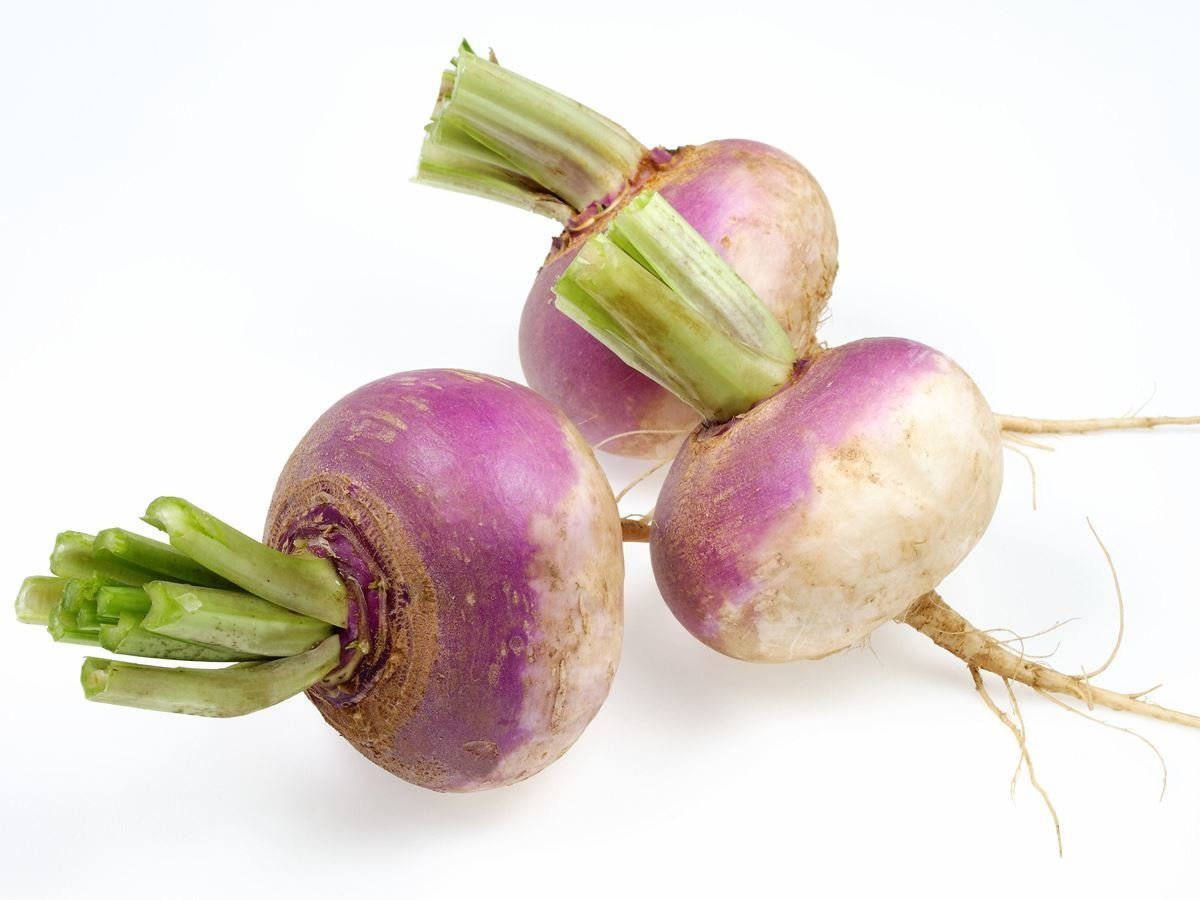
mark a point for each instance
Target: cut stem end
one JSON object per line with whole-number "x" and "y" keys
{"x": 498, "y": 135}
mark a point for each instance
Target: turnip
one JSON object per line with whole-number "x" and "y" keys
{"x": 821, "y": 497}
{"x": 441, "y": 571}
{"x": 499, "y": 135}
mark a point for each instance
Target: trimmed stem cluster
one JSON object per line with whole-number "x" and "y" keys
{"x": 498, "y": 135}
{"x": 213, "y": 594}
{"x": 654, "y": 291}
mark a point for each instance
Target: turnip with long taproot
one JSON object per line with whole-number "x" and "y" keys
{"x": 821, "y": 497}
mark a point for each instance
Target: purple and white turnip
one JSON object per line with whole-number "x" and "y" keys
{"x": 442, "y": 550}
{"x": 502, "y": 136}
{"x": 799, "y": 527}
{"x": 441, "y": 566}
{"x": 821, "y": 497}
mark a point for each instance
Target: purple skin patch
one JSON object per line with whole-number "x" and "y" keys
{"x": 461, "y": 499}
{"x": 732, "y": 484}
{"x": 766, "y": 216}
{"x": 598, "y": 392}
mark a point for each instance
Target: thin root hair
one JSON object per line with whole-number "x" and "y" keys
{"x": 1018, "y": 732}
{"x": 1032, "y": 471}
{"x": 650, "y": 471}
{"x": 1147, "y": 401}
{"x": 634, "y": 433}
{"x": 1025, "y": 441}
{"x": 1141, "y": 737}
{"x": 1120, "y": 610}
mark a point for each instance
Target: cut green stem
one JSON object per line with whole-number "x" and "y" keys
{"x": 160, "y": 560}
{"x": 73, "y": 557}
{"x": 232, "y": 691}
{"x": 38, "y": 595}
{"x": 300, "y": 582}
{"x": 73, "y": 619}
{"x": 87, "y": 617}
{"x": 63, "y": 626}
{"x": 79, "y": 599}
{"x": 140, "y": 597}
{"x": 452, "y": 171}
{"x": 499, "y": 135}
{"x": 127, "y": 636}
{"x": 656, "y": 294}
{"x": 229, "y": 619}
{"x": 122, "y": 557}
{"x": 112, "y": 602}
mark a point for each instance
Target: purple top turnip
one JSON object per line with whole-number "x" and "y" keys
{"x": 820, "y": 497}
{"x": 798, "y": 528}
{"x": 483, "y": 512}
{"x": 499, "y": 135}
{"x": 766, "y": 217}
{"x": 448, "y": 591}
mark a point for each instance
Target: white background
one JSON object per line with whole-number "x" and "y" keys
{"x": 207, "y": 235}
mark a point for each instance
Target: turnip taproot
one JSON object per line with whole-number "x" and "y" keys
{"x": 441, "y": 572}
{"x": 502, "y": 136}
{"x": 821, "y": 497}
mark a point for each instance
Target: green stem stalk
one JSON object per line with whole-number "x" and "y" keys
{"x": 87, "y": 617}
{"x": 655, "y": 293}
{"x": 301, "y": 582}
{"x": 140, "y": 597}
{"x": 79, "y": 599}
{"x": 229, "y": 619}
{"x": 127, "y": 637}
{"x": 112, "y": 602}
{"x": 161, "y": 560}
{"x": 63, "y": 626}
{"x": 38, "y": 595}
{"x": 444, "y": 168}
{"x": 499, "y": 135}
{"x": 232, "y": 691}
{"x": 73, "y": 557}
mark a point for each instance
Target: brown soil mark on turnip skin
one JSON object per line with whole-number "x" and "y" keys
{"x": 854, "y": 461}
{"x": 484, "y": 748}
{"x": 593, "y": 591}
{"x": 392, "y": 680}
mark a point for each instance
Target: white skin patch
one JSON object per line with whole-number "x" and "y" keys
{"x": 577, "y": 581}
{"x": 894, "y": 508}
